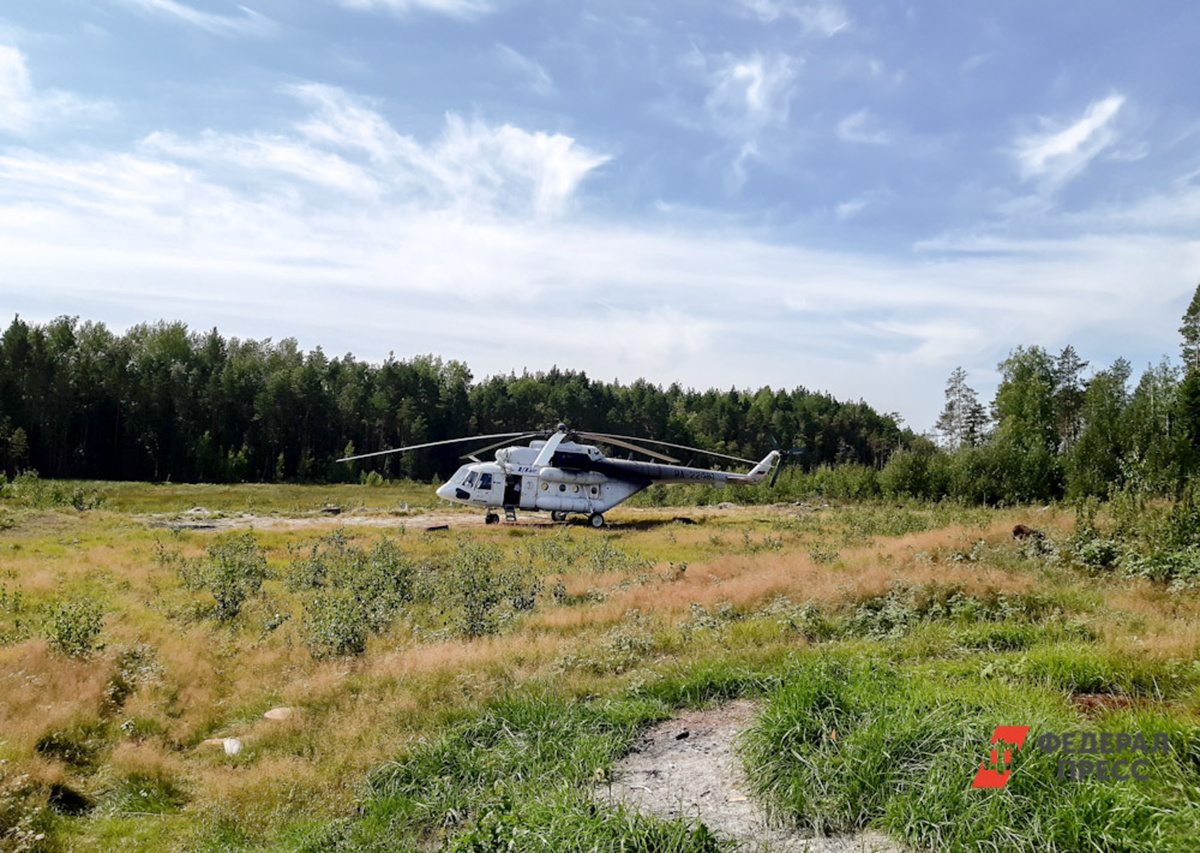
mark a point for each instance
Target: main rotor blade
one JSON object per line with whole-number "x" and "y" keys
{"x": 504, "y": 441}
{"x": 681, "y": 447}
{"x": 609, "y": 439}
{"x": 430, "y": 444}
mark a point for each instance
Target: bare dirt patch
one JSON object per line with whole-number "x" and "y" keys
{"x": 687, "y": 767}
{"x": 199, "y": 518}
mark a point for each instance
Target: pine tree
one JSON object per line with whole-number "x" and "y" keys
{"x": 1068, "y": 395}
{"x": 1191, "y": 333}
{"x": 963, "y": 420}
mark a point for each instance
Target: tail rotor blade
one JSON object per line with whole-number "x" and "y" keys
{"x": 784, "y": 456}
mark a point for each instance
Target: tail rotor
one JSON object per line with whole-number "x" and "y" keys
{"x": 784, "y": 456}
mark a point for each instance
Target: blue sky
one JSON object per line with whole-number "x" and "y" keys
{"x": 852, "y": 197}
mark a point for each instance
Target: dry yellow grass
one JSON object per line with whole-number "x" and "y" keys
{"x": 353, "y": 714}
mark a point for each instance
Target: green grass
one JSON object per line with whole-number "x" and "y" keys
{"x": 255, "y": 498}
{"x": 519, "y": 777}
{"x": 849, "y": 743}
{"x": 469, "y": 688}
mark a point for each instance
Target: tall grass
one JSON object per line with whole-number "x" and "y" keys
{"x": 849, "y": 744}
{"x": 519, "y": 777}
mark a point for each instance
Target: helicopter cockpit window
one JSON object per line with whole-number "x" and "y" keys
{"x": 471, "y": 479}
{"x": 485, "y": 481}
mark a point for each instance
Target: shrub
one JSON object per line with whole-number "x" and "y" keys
{"x": 922, "y": 472}
{"x": 233, "y": 570}
{"x": 473, "y": 592}
{"x": 334, "y": 625}
{"x": 74, "y": 626}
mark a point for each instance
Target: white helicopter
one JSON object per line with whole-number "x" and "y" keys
{"x": 557, "y": 475}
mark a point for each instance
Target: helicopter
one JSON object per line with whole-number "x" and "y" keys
{"x": 557, "y": 474}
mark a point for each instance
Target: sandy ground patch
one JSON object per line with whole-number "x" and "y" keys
{"x": 200, "y": 518}
{"x": 687, "y": 766}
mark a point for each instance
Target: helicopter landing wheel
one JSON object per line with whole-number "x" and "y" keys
{"x": 491, "y": 518}
{"x": 558, "y": 515}
{"x": 596, "y": 520}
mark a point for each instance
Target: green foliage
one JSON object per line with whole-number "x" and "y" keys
{"x": 848, "y": 744}
{"x": 78, "y": 746}
{"x": 335, "y": 625}
{"x": 15, "y": 626}
{"x": 519, "y": 778}
{"x": 922, "y": 472}
{"x": 142, "y": 794}
{"x": 476, "y": 597}
{"x": 1147, "y": 538}
{"x": 161, "y": 402}
{"x": 73, "y": 627}
{"x": 31, "y": 491}
{"x": 233, "y": 570}
{"x": 359, "y": 591}
{"x": 136, "y": 665}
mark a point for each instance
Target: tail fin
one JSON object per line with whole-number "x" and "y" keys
{"x": 759, "y": 472}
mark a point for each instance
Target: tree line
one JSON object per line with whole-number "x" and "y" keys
{"x": 161, "y": 402}
{"x": 1055, "y": 431}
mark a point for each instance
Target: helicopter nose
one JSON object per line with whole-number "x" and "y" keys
{"x": 445, "y": 492}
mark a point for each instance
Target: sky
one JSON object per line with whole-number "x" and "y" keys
{"x": 852, "y": 197}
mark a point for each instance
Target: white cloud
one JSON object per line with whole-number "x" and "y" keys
{"x": 825, "y": 18}
{"x": 464, "y": 9}
{"x": 750, "y": 93}
{"x": 464, "y": 245}
{"x": 277, "y": 154}
{"x": 23, "y": 108}
{"x": 347, "y": 122}
{"x": 862, "y": 127}
{"x": 1056, "y": 156}
{"x": 346, "y": 145}
{"x": 249, "y": 23}
{"x": 536, "y": 76}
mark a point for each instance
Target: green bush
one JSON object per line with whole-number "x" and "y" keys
{"x": 73, "y": 627}
{"x": 922, "y": 473}
{"x": 233, "y": 570}
{"x": 334, "y": 625}
{"x": 477, "y": 596}
{"x": 29, "y": 490}
{"x": 360, "y": 591}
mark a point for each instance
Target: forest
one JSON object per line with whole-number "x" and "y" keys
{"x": 163, "y": 403}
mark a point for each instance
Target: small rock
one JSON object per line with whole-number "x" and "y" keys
{"x": 726, "y": 505}
{"x": 232, "y": 746}
{"x": 213, "y": 741}
{"x": 279, "y": 713}
{"x": 682, "y": 735}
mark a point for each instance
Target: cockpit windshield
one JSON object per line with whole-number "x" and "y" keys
{"x": 470, "y": 479}
{"x": 485, "y": 481}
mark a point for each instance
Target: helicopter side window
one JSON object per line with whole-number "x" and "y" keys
{"x": 470, "y": 479}
{"x": 485, "y": 481}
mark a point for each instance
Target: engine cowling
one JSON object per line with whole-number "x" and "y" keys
{"x": 581, "y": 478}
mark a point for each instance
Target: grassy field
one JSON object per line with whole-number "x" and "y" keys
{"x": 465, "y": 689}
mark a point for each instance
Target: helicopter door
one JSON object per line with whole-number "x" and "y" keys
{"x": 512, "y": 490}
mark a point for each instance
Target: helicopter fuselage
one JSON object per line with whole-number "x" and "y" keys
{"x": 562, "y": 476}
